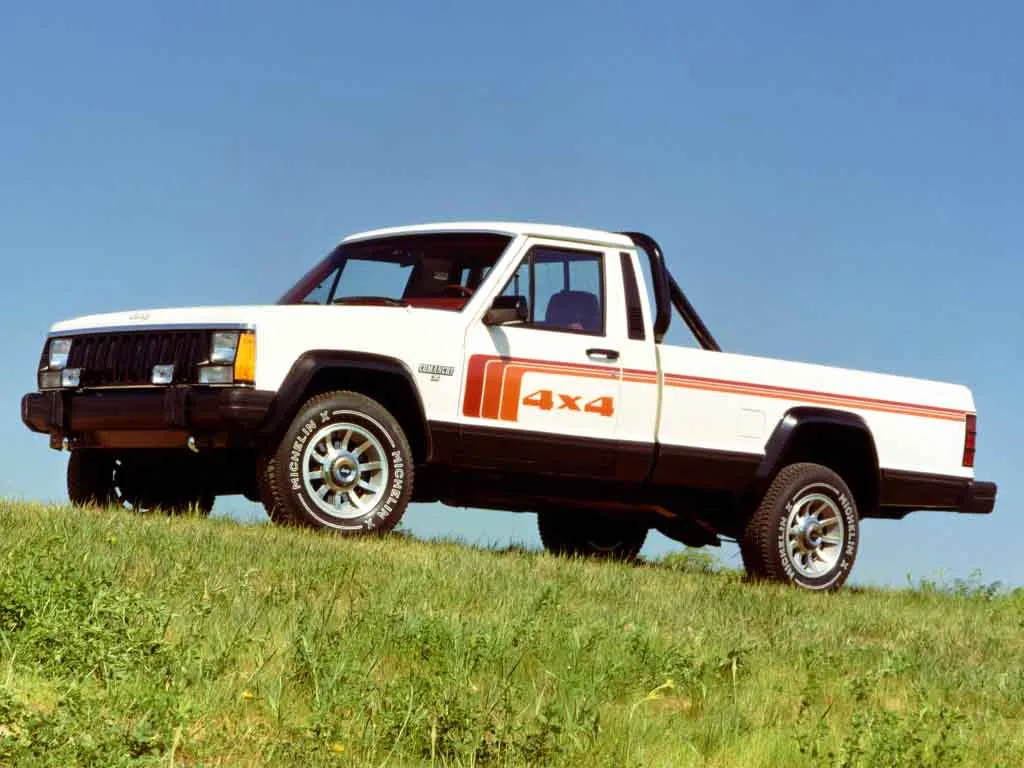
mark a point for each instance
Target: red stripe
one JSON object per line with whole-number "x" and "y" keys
{"x": 791, "y": 393}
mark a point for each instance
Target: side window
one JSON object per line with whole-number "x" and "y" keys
{"x": 634, "y": 314}
{"x": 564, "y": 289}
{"x": 519, "y": 285}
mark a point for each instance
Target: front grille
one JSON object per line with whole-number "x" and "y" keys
{"x": 127, "y": 359}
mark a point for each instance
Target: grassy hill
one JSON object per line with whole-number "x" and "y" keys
{"x": 153, "y": 641}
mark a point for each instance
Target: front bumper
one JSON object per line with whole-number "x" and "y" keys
{"x": 146, "y": 415}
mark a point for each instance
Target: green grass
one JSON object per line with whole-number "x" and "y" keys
{"x": 155, "y": 641}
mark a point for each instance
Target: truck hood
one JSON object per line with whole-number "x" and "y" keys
{"x": 253, "y": 316}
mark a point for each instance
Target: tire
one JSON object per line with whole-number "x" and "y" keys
{"x": 575, "y": 535}
{"x": 751, "y": 561}
{"x": 90, "y": 479}
{"x": 265, "y": 475}
{"x": 805, "y": 530}
{"x": 343, "y": 465}
{"x": 97, "y": 478}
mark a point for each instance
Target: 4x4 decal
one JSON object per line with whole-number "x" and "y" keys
{"x": 545, "y": 400}
{"x": 494, "y": 387}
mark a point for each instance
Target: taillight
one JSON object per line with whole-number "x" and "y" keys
{"x": 970, "y": 439}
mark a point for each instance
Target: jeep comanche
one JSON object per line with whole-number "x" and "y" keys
{"x": 507, "y": 366}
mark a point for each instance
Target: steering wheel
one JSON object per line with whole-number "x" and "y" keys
{"x": 454, "y": 289}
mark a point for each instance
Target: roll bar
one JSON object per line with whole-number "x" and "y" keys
{"x": 662, "y": 312}
{"x": 667, "y": 290}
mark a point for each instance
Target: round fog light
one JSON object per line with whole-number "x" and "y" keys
{"x": 162, "y": 374}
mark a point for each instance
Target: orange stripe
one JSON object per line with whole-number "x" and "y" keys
{"x": 491, "y": 399}
{"x": 808, "y": 396}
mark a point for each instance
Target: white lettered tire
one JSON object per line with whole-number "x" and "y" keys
{"x": 344, "y": 465}
{"x": 805, "y": 530}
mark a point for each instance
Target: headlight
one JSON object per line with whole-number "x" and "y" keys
{"x": 59, "y": 351}
{"x": 54, "y": 372}
{"x": 232, "y": 359}
{"x": 224, "y": 347}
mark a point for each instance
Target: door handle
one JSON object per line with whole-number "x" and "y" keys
{"x": 603, "y": 354}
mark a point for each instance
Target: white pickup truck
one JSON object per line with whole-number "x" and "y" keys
{"x": 506, "y": 366}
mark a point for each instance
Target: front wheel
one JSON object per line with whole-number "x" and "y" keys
{"x": 805, "y": 530}
{"x": 344, "y": 465}
{"x": 137, "y": 483}
{"x": 591, "y": 535}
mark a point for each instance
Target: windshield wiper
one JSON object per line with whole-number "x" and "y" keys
{"x": 371, "y": 300}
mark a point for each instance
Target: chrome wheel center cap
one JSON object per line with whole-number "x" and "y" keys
{"x": 811, "y": 533}
{"x": 344, "y": 472}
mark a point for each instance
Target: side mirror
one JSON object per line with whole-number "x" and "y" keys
{"x": 507, "y": 309}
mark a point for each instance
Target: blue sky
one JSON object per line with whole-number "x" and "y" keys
{"x": 832, "y": 182}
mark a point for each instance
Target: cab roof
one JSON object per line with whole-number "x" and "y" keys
{"x": 511, "y": 228}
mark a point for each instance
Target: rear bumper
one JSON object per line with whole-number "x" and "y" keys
{"x": 979, "y": 498}
{"x": 903, "y": 492}
{"x": 92, "y": 417}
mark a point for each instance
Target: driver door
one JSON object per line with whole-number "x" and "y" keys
{"x": 541, "y": 396}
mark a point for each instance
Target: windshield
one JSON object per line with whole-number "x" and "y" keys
{"x": 437, "y": 271}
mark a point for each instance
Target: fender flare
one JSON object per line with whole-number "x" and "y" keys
{"x": 290, "y": 395}
{"x": 788, "y": 428}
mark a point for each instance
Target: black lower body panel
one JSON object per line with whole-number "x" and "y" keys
{"x": 670, "y": 467}
{"x": 547, "y": 453}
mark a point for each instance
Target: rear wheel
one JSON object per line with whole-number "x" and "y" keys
{"x": 591, "y": 535}
{"x": 344, "y": 464}
{"x": 805, "y": 530}
{"x": 136, "y": 482}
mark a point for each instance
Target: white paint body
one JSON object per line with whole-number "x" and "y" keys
{"x": 678, "y": 396}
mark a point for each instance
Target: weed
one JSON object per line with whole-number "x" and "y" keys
{"x": 153, "y": 641}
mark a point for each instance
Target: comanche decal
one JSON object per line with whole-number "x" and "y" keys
{"x": 436, "y": 370}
